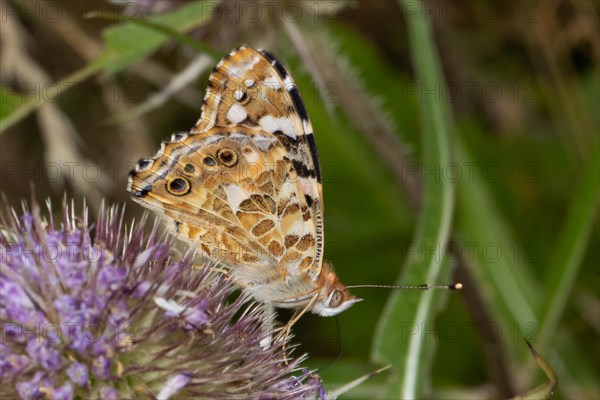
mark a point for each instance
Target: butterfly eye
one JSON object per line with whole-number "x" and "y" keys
{"x": 227, "y": 157}
{"x": 189, "y": 169}
{"x": 179, "y": 186}
{"x": 336, "y": 299}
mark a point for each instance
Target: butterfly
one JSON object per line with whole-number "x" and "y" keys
{"x": 244, "y": 185}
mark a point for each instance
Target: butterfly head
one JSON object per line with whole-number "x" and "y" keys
{"x": 334, "y": 297}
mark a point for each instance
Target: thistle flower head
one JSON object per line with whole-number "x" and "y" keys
{"x": 98, "y": 311}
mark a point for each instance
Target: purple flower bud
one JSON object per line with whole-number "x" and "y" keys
{"x": 11, "y": 364}
{"x": 101, "y": 367}
{"x": 109, "y": 393}
{"x": 78, "y": 373}
{"x": 66, "y": 306}
{"x": 17, "y": 306}
{"x": 142, "y": 289}
{"x": 30, "y": 389}
{"x": 119, "y": 314}
{"x": 65, "y": 392}
{"x": 173, "y": 385}
{"x": 196, "y": 315}
{"x": 44, "y": 353}
{"x": 76, "y": 336}
{"x": 73, "y": 274}
{"x": 110, "y": 277}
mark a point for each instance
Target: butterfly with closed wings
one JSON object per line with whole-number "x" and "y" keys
{"x": 244, "y": 184}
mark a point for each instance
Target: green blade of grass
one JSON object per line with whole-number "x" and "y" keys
{"x": 570, "y": 248}
{"x": 412, "y": 356}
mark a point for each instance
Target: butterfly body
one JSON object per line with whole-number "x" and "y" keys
{"x": 244, "y": 185}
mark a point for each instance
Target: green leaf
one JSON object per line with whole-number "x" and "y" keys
{"x": 134, "y": 40}
{"x": 398, "y": 338}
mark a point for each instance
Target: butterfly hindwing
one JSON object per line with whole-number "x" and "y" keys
{"x": 234, "y": 191}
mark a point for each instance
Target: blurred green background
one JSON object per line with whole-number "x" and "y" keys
{"x": 474, "y": 149}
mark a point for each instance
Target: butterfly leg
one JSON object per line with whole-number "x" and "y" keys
{"x": 270, "y": 314}
{"x": 283, "y": 335}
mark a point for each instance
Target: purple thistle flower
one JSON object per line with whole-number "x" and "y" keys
{"x": 109, "y": 312}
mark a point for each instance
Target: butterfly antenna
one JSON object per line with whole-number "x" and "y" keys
{"x": 453, "y": 286}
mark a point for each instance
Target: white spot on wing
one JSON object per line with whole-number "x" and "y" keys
{"x": 307, "y": 186}
{"x": 237, "y": 136}
{"x": 212, "y": 139}
{"x": 307, "y": 126}
{"x": 287, "y": 190}
{"x": 272, "y": 124}
{"x": 272, "y": 82}
{"x": 238, "y": 94}
{"x": 262, "y": 142}
{"x": 289, "y": 83}
{"x": 268, "y": 123}
{"x": 236, "y": 114}
{"x": 240, "y": 70}
{"x": 235, "y": 194}
{"x": 252, "y": 157}
{"x": 296, "y": 228}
